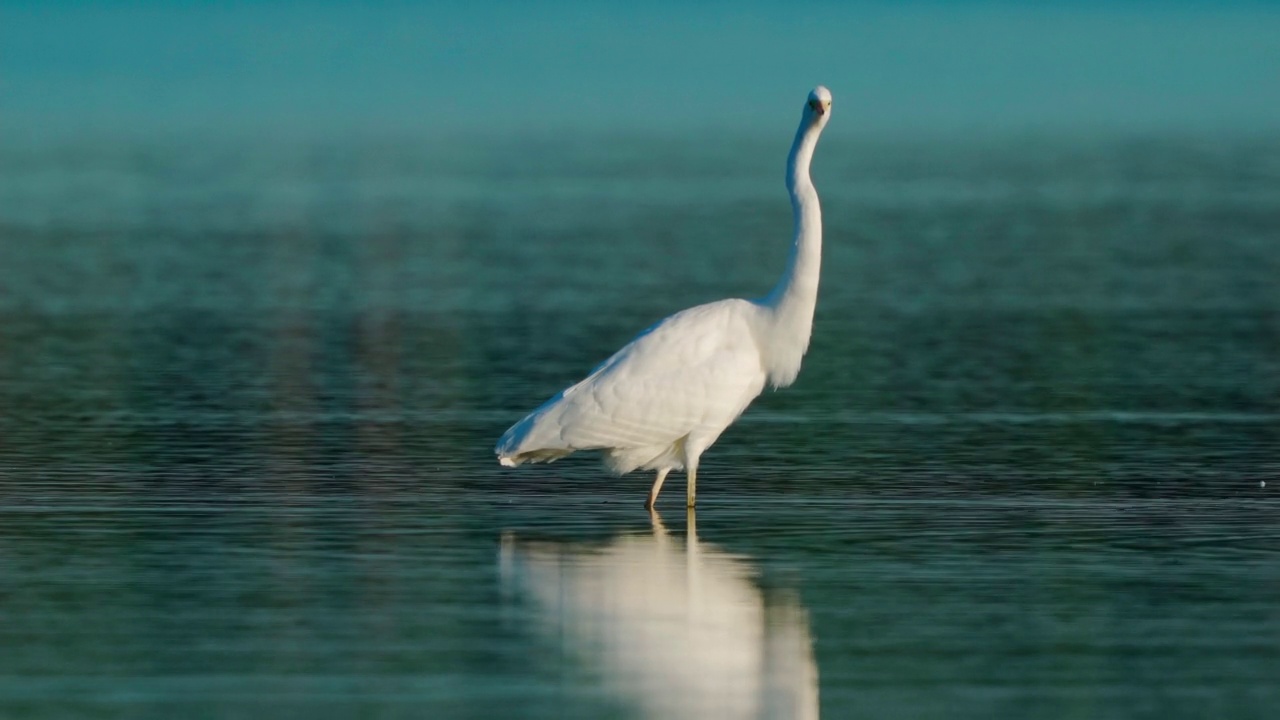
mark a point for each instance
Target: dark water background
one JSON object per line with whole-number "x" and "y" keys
{"x": 249, "y": 390}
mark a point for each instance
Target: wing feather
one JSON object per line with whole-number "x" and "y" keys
{"x": 696, "y": 369}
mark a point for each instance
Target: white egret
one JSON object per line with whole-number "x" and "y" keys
{"x": 666, "y": 396}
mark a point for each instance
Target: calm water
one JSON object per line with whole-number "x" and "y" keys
{"x": 248, "y": 395}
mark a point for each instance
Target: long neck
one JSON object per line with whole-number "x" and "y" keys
{"x": 791, "y": 304}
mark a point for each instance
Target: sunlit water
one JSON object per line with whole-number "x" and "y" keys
{"x": 248, "y": 396}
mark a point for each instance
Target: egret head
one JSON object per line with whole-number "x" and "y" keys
{"x": 818, "y": 109}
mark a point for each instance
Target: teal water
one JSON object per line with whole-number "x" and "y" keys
{"x": 248, "y": 396}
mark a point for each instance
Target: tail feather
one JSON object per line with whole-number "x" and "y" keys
{"x": 523, "y": 443}
{"x": 545, "y": 455}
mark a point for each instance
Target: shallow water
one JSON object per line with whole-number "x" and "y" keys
{"x": 249, "y": 398}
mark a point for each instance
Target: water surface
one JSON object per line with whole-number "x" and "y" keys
{"x": 249, "y": 395}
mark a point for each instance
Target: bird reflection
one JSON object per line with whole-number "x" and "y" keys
{"x": 679, "y": 628}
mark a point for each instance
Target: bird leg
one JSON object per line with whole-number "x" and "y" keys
{"x": 692, "y": 488}
{"x": 657, "y": 488}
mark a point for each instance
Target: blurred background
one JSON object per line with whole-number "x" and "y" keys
{"x": 307, "y": 68}
{"x": 275, "y": 276}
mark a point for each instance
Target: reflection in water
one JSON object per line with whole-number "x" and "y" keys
{"x": 679, "y": 628}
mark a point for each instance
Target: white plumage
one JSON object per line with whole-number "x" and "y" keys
{"x": 665, "y": 397}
